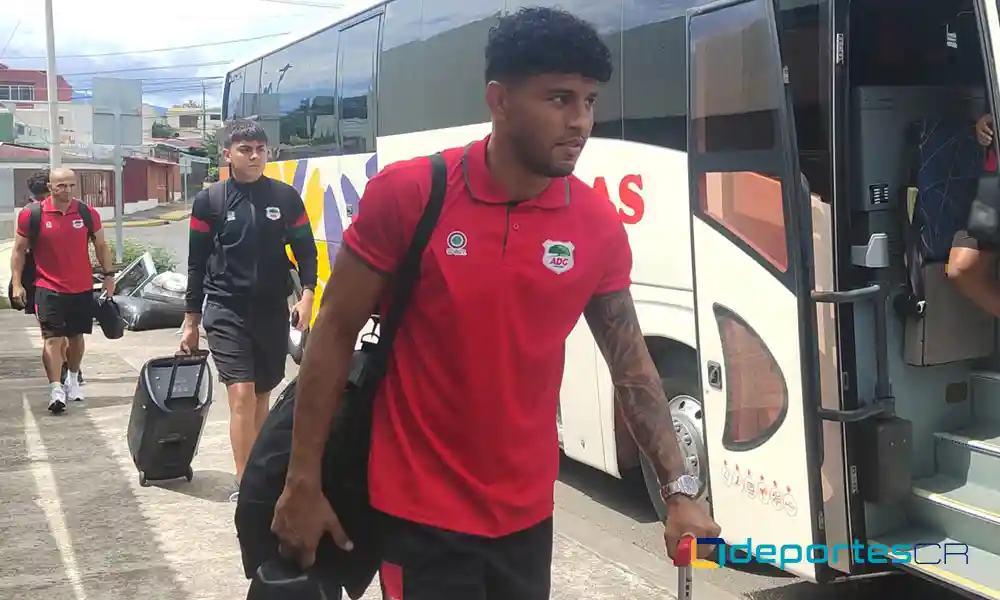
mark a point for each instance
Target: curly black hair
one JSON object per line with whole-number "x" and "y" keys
{"x": 541, "y": 40}
{"x": 38, "y": 183}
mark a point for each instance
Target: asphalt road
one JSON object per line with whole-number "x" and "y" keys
{"x": 173, "y": 237}
{"x": 614, "y": 516}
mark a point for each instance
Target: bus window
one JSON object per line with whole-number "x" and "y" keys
{"x": 606, "y": 17}
{"x": 251, "y": 87}
{"x": 297, "y": 103}
{"x": 454, "y": 39}
{"x": 356, "y": 86}
{"x": 234, "y": 91}
{"x": 655, "y": 74}
{"x": 400, "y": 94}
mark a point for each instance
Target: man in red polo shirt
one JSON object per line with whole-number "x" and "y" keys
{"x": 64, "y": 302}
{"x": 464, "y": 449}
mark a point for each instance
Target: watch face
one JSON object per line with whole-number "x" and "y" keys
{"x": 687, "y": 485}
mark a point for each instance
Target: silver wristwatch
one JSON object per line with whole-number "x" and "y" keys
{"x": 686, "y": 485}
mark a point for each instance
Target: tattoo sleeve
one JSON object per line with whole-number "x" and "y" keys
{"x": 613, "y": 322}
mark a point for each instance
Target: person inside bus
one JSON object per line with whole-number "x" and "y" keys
{"x": 464, "y": 451}
{"x": 971, "y": 262}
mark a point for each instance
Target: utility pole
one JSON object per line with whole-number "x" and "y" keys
{"x": 52, "y": 87}
{"x": 204, "y": 112}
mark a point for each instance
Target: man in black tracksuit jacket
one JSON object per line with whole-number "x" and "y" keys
{"x": 238, "y": 272}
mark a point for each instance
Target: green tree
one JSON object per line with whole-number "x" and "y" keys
{"x": 163, "y": 130}
{"x": 211, "y": 145}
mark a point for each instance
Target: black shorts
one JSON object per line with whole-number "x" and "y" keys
{"x": 425, "y": 563}
{"x": 64, "y": 315}
{"x": 249, "y": 345}
{"x": 962, "y": 239}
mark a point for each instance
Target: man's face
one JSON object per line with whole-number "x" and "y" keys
{"x": 62, "y": 186}
{"x": 247, "y": 159}
{"x": 549, "y": 118}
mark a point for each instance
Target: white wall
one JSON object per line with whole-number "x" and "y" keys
{"x": 6, "y": 204}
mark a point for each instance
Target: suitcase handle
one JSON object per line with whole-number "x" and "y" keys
{"x": 198, "y": 357}
{"x": 682, "y": 560}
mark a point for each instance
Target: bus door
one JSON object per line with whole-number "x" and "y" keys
{"x": 751, "y": 236}
{"x": 988, "y": 16}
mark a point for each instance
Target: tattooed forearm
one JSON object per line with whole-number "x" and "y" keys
{"x": 613, "y": 322}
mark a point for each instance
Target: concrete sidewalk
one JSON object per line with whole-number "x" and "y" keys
{"x": 75, "y": 524}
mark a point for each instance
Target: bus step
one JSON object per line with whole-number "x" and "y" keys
{"x": 963, "y": 511}
{"x": 971, "y": 454}
{"x": 976, "y": 575}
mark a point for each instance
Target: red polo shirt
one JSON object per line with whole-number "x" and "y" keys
{"x": 464, "y": 432}
{"x": 62, "y": 261}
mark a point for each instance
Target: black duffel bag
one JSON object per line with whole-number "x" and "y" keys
{"x": 984, "y": 215}
{"x": 345, "y": 457}
{"x": 109, "y": 318}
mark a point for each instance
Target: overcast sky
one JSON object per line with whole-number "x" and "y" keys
{"x": 89, "y": 27}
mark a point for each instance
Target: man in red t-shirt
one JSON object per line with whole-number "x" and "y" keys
{"x": 64, "y": 301}
{"x": 464, "y": 451}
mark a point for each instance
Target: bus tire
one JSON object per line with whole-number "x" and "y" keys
{"x": 296, "y": 339}
{"x": 683, "y": 392}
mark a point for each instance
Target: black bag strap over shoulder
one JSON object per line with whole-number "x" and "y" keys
{"x": 217, "y": 199}
{"x": 405, "y": 278}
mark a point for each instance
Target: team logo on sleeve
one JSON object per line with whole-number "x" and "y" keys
{"x": 272, "y": 212}
{"x": 557, "y": 256}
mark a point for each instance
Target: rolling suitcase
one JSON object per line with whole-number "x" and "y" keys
{"x": 169, "y": 408}
{"x": 685, "y": 570}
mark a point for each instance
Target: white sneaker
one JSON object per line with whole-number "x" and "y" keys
{"x": 57, "y": 400}
{"x": 74, "y": 390}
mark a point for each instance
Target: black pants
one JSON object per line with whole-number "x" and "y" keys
{"x": 426, "y": 563}
{"x": 248, "y": 343}
{"x": 64, "y": 315}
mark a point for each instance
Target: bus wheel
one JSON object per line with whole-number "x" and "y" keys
{"x": 684, "y": 393}
{"x": 296, "y": 338}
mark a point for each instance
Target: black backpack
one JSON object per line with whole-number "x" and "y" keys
{"x": 29, "y": 274}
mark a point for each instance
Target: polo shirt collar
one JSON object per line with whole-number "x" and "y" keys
{"x": 49, "y": 206}
{"x": 484, "y": 188}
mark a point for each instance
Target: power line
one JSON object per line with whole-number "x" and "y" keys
{"x": 155, "y": 50}
{"x": 11, "y": 38}
{"x": 189, "y": 65}
{"x": 299, "y": 3}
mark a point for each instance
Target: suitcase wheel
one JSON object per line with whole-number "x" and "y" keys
{"x": 190, "y": 475}
{"x": 142, "y": 479}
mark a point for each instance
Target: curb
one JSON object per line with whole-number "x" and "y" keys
{"x": 152, "y": 222}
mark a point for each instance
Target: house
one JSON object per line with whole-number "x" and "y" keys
{"x": 25, "y": 87}
{"x": 193, "y": 122}
{"x": 24, "y": 95}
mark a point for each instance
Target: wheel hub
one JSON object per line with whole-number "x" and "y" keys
{"x": 688, "y": 425}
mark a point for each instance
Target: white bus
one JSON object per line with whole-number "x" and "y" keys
{"x": 758, "y": 153}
